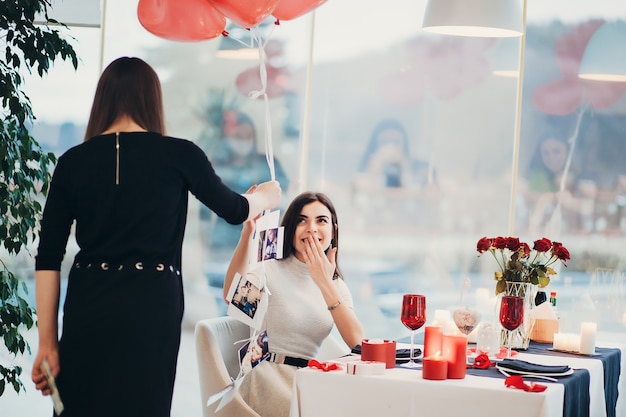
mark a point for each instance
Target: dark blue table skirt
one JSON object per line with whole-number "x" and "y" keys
{"x": 576, "y": 386}
{"x": 611, "y": 362}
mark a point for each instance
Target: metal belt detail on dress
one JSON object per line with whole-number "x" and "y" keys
{"x": 140, "y": 266}
{"x": 287, "y": 360}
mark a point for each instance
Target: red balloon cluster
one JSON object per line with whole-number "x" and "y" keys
{"x": 565, "y": 94}
{"x": 454, "y": 63}
{"x": 197, "y": 20}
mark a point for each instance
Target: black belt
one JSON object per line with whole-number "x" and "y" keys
{"x": 288, "y": 360}
{"x": 139, "y": 266}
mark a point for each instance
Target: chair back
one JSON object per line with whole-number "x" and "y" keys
{"x": 218, "y": 361}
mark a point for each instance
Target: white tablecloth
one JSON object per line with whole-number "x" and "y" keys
{"x": 403, "y": 392}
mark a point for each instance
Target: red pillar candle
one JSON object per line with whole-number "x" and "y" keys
{"x": 435, "y": 368}
{"x": 454, "y": 350}
{"x": 379, "y": 351}
{"x": 432, "y": 340}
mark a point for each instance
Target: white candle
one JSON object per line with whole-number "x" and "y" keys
{"x": 573, "y": 342}
{"x": 588, "y": 338}
{"x": 559, "y": 341}
{"x": 569, "y": 342}
{"x": 442, "y": 316}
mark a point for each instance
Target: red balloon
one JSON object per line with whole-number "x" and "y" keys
{"x": 564, "y": 95}
{"x": 290, "y": 9}
{"x": 559, "y": 97}
{"x": 181, "y": 20}
{"x": 245, "y": 13}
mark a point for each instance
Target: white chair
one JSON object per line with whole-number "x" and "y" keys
{"x": 332, "y": 348}
{"x": 218, "y": 361}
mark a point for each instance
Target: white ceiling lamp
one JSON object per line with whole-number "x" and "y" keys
{"x": 504, "y": 58}
{"x": 242, "y": 54}
{"x": 479, "y": 18}
{"x": 604, "y": 58}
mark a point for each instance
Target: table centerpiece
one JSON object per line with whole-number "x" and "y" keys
{"x": 522, "y": 269}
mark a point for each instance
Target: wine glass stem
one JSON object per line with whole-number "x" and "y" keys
{"x": 411, "y": 352}
{"x": 508, "y": 355}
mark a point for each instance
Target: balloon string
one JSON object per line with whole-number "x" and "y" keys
{"x": 247, "y": 45}
{"x": 255, "y": 94}
{"x": 466, "y": 285}
{"x": 556, "y": 214}
{"x": 572, "y": 145}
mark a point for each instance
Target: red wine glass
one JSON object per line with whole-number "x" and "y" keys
{"x": 511, "y": 316}
{"x": 413, "y": 316}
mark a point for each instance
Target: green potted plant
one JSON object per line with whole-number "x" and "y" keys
{"x": 24, "y": 166}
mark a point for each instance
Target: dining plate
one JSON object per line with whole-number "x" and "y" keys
{"x": 518, "y": 372}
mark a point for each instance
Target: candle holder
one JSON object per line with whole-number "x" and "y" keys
{"x": 379, "y": 351}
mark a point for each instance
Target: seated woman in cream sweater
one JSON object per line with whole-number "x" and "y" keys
{"x": 308, "y": 297}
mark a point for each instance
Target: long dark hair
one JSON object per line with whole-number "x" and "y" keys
{"x": 292, "y": 215}
{"x": 128, "y": 86}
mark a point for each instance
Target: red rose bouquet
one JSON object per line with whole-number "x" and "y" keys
{"x": 519, "y": 263}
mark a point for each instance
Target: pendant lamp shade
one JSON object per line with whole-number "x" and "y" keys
{"x": 604, "y": 58}
{"x": 479, "y": 18}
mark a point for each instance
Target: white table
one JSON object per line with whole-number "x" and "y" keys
{"x": 403, "y": 392}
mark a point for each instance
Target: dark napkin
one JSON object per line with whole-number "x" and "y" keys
{"x": 400, "y": 353}
{"x": 529, "y": 367}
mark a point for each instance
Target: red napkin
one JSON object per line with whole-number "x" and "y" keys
{"x": 324, "y": 366}
{"x": 517, "y": 381}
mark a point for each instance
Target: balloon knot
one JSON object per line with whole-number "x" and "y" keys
{"x": 225, "y": 33}
{"x": 256, "y": 94}
{"x": 277, "y": 22}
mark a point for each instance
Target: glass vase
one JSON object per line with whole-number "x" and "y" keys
{"x": 520, "y": 337}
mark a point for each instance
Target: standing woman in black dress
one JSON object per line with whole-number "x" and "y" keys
{"x": 126, "y": 187}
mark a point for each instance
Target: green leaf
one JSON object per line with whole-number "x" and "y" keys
{"x": 500, "y": 287}
{"x": 544, "y": 281}
{"x": 27, "y": 47}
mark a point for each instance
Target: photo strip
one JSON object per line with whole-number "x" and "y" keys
{"x": 248, "y": 299}
{"x": 267, "y": 241}
{"x": 253, "y": 352}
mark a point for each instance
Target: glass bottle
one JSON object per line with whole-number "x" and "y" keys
{"x": 540, "y": 297}
{"x": 553, "y": 299}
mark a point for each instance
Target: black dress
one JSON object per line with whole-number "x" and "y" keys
{"x": 124, "y": 302}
